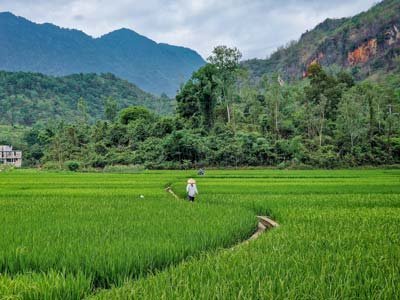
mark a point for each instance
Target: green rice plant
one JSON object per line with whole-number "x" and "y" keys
{"x": 75, "y": 236}
{"x": 106, "y": 228}
{"x": 124, "y": 169}
{"x": 339, "y": 239}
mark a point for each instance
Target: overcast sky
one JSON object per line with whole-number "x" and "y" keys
{"x": 256, "y": 27}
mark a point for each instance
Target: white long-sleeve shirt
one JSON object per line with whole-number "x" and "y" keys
{"x": 191, "y": 190}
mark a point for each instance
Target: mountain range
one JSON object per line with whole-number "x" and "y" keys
{"x": 154, "y": 67}
{"x": 366, "y": 44}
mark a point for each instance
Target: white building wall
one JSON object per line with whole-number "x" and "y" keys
{"x": 8, "y": 156}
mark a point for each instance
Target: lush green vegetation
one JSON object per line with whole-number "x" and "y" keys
{"x": 338, "y": 239}
{"x": 27, "y": 98}
{"x": 64, "y": 235}
{"x": 69, "y": 233}
{"x": 117, "y": 234}
{"x": 12, "y": 135}
{"x": 222, "y": 119}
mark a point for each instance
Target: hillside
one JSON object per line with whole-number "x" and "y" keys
{"x": 365, "y": 44}
{"x": 26, "y": 98}
{"x": 49, "y": 49}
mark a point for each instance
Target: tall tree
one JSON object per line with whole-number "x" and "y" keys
{"x": 198, "y": 97}
{"x": 274, "y": 98}
{"x": 110, "y": 109}
{"x": 226, "y": 61}
{"x": 82, "y": 109}
{"x": 353, "y": 116}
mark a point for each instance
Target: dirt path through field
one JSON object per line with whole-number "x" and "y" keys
{"x": 264, "y": 223}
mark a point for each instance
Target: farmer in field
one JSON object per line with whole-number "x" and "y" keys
{"x": 191, "y": 190}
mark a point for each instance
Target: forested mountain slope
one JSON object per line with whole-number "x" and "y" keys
{"x": 366, "y": 44}
{"x": 49, "y": 49}
{"x": 26, "y": 98}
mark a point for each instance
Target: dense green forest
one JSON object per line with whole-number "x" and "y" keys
{"x": 222, "y": 119}
{"x": 27, "y": 98}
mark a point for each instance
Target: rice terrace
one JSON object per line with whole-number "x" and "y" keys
{"x": 91, "y": 236}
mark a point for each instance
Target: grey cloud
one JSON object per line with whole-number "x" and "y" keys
{"x": 256, "y": 27}
{"x": 79, "y": 17}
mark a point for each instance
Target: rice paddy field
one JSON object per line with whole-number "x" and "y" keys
{"x": 121, "y": 236}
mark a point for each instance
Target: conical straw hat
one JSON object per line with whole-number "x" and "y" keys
{"x": 191, "y": 181}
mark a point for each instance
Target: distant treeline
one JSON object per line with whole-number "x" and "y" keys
{"x": 26, "y": 98}
{"x": 222, "y": 119}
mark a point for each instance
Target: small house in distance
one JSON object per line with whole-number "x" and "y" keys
{"x": 8, "y": 156}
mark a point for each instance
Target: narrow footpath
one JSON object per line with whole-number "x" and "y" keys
{"x": 264, "y": 222}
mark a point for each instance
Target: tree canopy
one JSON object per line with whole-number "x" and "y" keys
{"x": 326, "y": 120}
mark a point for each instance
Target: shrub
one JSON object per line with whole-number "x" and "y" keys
{"x": 51, "y": 165}
{"x": 6, "y": 168}
{"x": 72, "y": 165}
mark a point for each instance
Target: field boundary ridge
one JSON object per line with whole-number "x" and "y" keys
{"x": 169, "y": 190}
{"x": 264, "y": 222}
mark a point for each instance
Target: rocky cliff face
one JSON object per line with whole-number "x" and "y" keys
{"x": 364, "y": 44}
{"x": 363, "y": 53}
{"x": 361, "y": 48}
